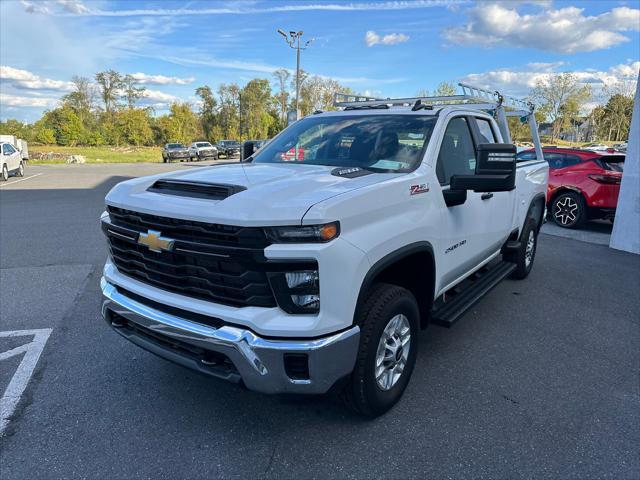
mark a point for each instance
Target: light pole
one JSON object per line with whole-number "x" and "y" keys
{"x": 293, "y": 40}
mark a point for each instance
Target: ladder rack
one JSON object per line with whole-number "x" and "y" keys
{"x": 475, "y": 97}
{"x": 500, "y": 106}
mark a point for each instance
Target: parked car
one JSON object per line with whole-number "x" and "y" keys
{"x": 175, "y": 151}
{"x": 228, "y": 148}
{"x": 621, "y": 147}
{"x": 596, "y": 147}
{"x": 21, "y": 145}
{"x": 203, "y": 151}
{"x": 298, "y": 276}
{"x": 12, "y": 163}
{"x": 582, "y": 185}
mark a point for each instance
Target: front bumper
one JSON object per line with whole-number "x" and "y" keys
{"x": 233, "y": 353}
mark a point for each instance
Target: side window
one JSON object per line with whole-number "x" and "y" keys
{"x": 526, "y": 156}
{"x": 457, "y": 154}
{"x": 556, "y": 160}
{"x": 8, "y": 149}
{"x": 571, "y": 160}
{"x": 486, "y": 132}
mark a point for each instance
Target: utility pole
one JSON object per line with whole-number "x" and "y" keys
{"x": 293, "y": 40}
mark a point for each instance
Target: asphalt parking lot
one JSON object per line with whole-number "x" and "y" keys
{"x": 539, "y": 380}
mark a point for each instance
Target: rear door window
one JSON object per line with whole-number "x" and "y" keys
{"x": 486, "y": 132}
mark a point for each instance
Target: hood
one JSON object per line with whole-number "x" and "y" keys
{"x": 274, "y": 194}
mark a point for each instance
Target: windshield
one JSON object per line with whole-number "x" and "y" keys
{"x": 203, "y": 144}
{"x": 175, "y": 145}
{"x": 390, "y": 143}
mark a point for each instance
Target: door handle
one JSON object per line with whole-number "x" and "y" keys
{"x": 486, "y": 196}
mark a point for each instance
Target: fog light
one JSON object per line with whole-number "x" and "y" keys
{"x": 305, "y": 278}
{"x": 307, "y": 302}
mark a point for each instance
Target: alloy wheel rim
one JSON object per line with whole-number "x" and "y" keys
{"x": 393, "y": 351}
{"x": 529, "y": 251}
{"x": 566, "y": 211}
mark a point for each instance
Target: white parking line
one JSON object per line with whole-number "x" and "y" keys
{"x": 18, "y": 383}
{"x": 20, "y": 180}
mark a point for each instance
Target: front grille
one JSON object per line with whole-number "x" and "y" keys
{"x": 219, "y": 263}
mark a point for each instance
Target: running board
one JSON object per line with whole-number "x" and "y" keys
{"x": 472, "y": 290}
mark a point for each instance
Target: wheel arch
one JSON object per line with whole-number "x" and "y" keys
{"x": 536, "y": 210}
{"x": 407, "y": 267}
{"x": 564, "y": 189}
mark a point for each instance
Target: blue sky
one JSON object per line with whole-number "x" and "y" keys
{"x": 390, "y": 48}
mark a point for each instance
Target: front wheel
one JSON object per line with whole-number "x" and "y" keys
{"x": 389, "y": 320}
{"x": 526, "y": 253}
{"x": 5, "y": 173}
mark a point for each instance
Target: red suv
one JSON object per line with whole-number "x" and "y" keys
{"x": 583, "y": 185}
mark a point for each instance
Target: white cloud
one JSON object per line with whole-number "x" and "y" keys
{"x": 146, "y": 79}
{"x": 371, "y": 38}
{"x": 520, "y": 82}
{"x": 19, "y": 101}
{"x": 159, "y": 99}
{"x": 565, "y": 30}
{"x": 73, "y": 6}
{"x": 26, "y": 80}
{"x": 33, "y": 7}
{"x": 241, "y": 9}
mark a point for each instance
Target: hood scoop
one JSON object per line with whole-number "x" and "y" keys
{"x": 191, "y": 188}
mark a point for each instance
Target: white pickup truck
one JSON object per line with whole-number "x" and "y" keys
{"x": 316, "y": 271}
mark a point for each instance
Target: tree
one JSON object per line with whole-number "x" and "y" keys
{"x": 131, "y": 92}
{"x": 613, "y": 120}
{"x": 181, "y": 125}
{"x": 208, "y": 109}
{"x": 282, "y": 76}
{"x": 134, "y": 127}
{"x": 317, "y": 93}
{"x": 562, "y": 97}
{"x": 445, "y": 89}
{"x": 110, "y": 83}
{"x": 257, "y": 108}
{"x": 83, "y": 96}
{"x": 229, "y": 111}
{"x": 65, "y": 125}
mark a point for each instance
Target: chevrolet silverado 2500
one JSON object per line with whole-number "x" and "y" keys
{"x": 301, "y": 275}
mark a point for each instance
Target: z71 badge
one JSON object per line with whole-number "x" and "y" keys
{"x": 416, "y": 189}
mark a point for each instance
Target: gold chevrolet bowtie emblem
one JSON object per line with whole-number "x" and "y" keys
{"x": 155, "y": 241}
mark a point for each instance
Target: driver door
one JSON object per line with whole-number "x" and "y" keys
{"x": 465, "y": 231}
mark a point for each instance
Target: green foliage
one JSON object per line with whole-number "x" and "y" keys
{"x": 181, "y": 125}
{"x": 133, "y": 127}
{"x": 45, "y": 135}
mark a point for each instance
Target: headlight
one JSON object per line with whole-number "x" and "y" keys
{"x": 304, "y": 234}
{"x": 297, "y": 291}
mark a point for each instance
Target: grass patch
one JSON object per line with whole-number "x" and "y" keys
{"x": 50, "y": 154}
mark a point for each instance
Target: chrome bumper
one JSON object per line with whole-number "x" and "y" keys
{"x": 259, "y": 363}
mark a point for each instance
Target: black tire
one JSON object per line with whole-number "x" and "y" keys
{"x": 526, "y": 254}
{"x": 20, "y": 171}
{"x": 5, "y": 173}
{"x": 569, "y": 210}
{"x": 363, "y": 393}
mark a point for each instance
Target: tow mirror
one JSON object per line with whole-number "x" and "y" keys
{"x": 495, "y": 170}
{"x": 248, "y": 149}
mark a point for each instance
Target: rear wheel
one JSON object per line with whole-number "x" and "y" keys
{"x": 390, "y": 321}
{"x": 5, "y": 173}
{"x": 21, "y": 169}
{"x": 569, "y": 210}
